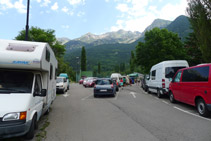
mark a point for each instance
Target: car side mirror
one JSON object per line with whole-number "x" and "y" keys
{"x": 42, "y": 94}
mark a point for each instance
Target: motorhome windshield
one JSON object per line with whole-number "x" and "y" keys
{"x": 170, "y": 71}
{"x": 15, "y": 81}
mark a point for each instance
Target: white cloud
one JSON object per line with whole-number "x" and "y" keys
{"x": 65, "y": 9}
{"x": 136, "y": 15}
{"x": 65, "y": 26}
{"x": 55, "y": 6}
{"x": 76, "y": 2}
{"x": 171, "y": 11}
{"x": 18, "y": 5}
{"x": 45, "y": 3}
{"x": 106, "y": 0}
{"x": 122, "y": 7}
{"x": 6, "y": 4}
{"x": 38, "y": 1}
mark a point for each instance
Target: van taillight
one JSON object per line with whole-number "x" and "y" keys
{"x": 163, "y": 83}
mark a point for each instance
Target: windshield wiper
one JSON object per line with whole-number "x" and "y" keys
{"x": 6, "y": 90}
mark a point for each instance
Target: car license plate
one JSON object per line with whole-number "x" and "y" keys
{"x": 103, "y": 90}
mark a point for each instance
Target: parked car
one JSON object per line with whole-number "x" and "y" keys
{"x": 67, "y": 77}
{"x": 105, "y": 87}
{"x": 144, "y": 82}
{"x": 89, "y": 82}
{"x": 81, "y": 81}
{"x": 61, "y": 84}
{"x": 193, "y": 86}
{"x": 161, "y": 73}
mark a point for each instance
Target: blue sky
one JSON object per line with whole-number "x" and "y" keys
{"x": 73, "y": 18}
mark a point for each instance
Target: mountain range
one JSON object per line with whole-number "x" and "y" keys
{"x": 113, "y": 48}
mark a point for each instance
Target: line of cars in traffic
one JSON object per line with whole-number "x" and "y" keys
{"x": 105, "y": 86}
{"x": 190, "y": 85}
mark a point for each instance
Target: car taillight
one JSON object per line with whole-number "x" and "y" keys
{"x": 95, "y": 86}
{"x": 163, "y": 83}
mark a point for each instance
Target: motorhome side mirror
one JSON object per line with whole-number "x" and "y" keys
{"x": 42, "y": 94}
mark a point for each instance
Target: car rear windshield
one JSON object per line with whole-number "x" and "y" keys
{"x": 170, "y": 71}
{"x": 58, "y": 80}
{"x": 104, "y": 82}
{"x": 15, "y": 81}
{"x": 200, "y": 74}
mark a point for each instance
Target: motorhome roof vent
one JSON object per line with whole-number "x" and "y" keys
{"x": 21, "y": 47}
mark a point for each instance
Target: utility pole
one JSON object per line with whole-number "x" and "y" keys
{"x": 27, "y": 21}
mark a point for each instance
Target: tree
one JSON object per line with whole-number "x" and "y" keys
{"x": 160, "y": 45}
{"x": 193, "y": 50}
{"x": 132, "y": 62}
{"x": 200, "y": 19}
{"x": 122, "y": 67}
{"x": 83, "y": 59}
{"x": 99, "y": 68}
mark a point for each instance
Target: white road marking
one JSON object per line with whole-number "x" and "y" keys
{"x": 191, "y": 113}
{"x": 133, "y": 94}
{"x": 165, "y": 102}
{"x": 86, "y": 97}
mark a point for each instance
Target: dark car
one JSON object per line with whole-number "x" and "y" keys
{"x": 144, "y": 82}
{"x": 105, "y": 87}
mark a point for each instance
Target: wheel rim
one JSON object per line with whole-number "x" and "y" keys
{"x": 201, "y": 108}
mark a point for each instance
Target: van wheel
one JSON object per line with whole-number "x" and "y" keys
{"x": 202, "y": 108}
{"x": 158, "y": 94}
{"x": 148, "y": 91}
{"x": 171, "y": 97}
{"x": 30, "y": 134}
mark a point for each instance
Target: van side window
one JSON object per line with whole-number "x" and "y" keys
{"x": 55, "y": 73}
{"x": 178, "y": 76}
{"x": 38, "y": 84}
{"x": 51, "y": 72}
{"x": 47, "y": 55}
{"x": 199, "y": 74}
{"x": 153, "y": 74}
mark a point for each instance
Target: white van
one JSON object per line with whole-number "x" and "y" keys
{"x": 161, "y": 73}
{"x": 27, "y": 86}
{"x": 117, "y": 77}
{"x": 61, "y": 84}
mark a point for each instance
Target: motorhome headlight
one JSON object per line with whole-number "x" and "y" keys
{"x": 14, "y": 116}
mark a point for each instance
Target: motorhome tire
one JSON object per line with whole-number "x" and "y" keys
{"x": 30, "y": 134}
{"x": 202, "y": 108}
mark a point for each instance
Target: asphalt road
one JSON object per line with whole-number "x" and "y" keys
{"x": 132, "y": 115}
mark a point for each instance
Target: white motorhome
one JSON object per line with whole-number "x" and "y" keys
{"x": 27, "y": 86}
{"x": 161, "y": 73}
